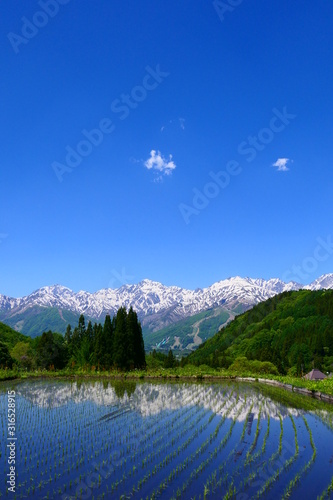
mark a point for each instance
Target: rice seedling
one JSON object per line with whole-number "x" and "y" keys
{"x": 254, "y": 443}
{"x": 287, "y": 464}
{"x": 165, "y": 440}
{"x": 296, "y": 479}
{"x": 327, "y": 492}
{"x": 197, "y": 471}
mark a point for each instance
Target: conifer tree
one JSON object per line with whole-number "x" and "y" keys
{"x": 108, "y": 341}
{"x": 89, "y": 335}
{"x": 81, "y": 327}
{"x": 84, "y": 353}
{"x": 75, "y": 341}
{"x": 99, "y": 346}
{"x": 121, "y": 341}
{"x": 68, "y": 340}
{"x": 5, "y": 358}
{"x": 136, "y": 351}
{"x": 170, "y": 362}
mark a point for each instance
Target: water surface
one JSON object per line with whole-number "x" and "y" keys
{"x": 100, "y": 439}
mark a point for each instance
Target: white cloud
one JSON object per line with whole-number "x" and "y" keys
{"x": 281, "y": 164}
{"x": 158, "y": 163}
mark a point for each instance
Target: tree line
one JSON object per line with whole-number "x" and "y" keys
{"x": 118, "y": 344}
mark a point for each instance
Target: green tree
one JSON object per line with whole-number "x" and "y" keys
{"x": 108, "y": 342}
{"x": 171, "y": 361}
{"x": 121, "y": 348}
{"x": 6, "y": 360}
{"x": 23, "y": 355}
{"x": 90, "y": 333}
{"x": 136, "y": 352}
{"x": 69, "y": 340}
{"x": 51, "y": 350}
{"x": 82, "y": 327}
{"x": 75, "y": 342}
{"x": 83, "y": 355}
{"x": 99, "y": 346}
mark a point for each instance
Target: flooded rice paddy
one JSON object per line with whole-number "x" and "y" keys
{"x": 99, "y": 439}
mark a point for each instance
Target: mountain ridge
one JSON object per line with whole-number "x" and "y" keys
{"x": 157, "y": 305}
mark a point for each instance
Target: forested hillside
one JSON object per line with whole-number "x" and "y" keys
{"x": 293, "y": 330}
{"x": 36, "y": 320}
{"x": 10, "y": 336}
{"x": 116, "y": 344}
{"x": 8, "y": 339}
{"x": 184, "y": 336}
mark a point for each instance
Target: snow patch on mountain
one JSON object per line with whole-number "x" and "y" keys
{"x": 325, "y": 281}
{"x": 152, "y": 299}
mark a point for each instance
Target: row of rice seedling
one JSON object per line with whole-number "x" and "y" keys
{"x": 167, "y": 461}
{"x": 251, "y": 458}
{"x": 205, "y": 449}
{"x": 36, "y": 453}
{"x": 328, "y": 492}
{"x": 178, "y": 445}
{"x": 286, "y": 464}
{"x": 228, "y": 479}
{"x": 151, "y": 457}
{"x": 212, "y": 481}
{"x": 279, "y": 450}
{"x": 255, "y": 440}
{"x": 176, "y": 471}
{"x": 78, "y": 452}
{"x": 143, "y": 452}
{"x": 195, "y": 474}
{"x": 143, "y": 449}
{"x": 296, "y": 479}
{"x": 251, "y": 477}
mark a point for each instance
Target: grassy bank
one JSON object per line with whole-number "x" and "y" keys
{"x": 188, "y": 372}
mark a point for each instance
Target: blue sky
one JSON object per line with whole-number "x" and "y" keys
{"x": 171, "y": 116}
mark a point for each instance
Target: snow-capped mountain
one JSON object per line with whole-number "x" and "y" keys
{"x": 157, "y": 305}
{"x": 150, "y": 297}
{"x": 323, "y": 282}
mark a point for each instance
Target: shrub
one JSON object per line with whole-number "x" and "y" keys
{"x": 242, "y": 364}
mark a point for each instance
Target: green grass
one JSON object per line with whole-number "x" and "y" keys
{"x": 189, "y": 371}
